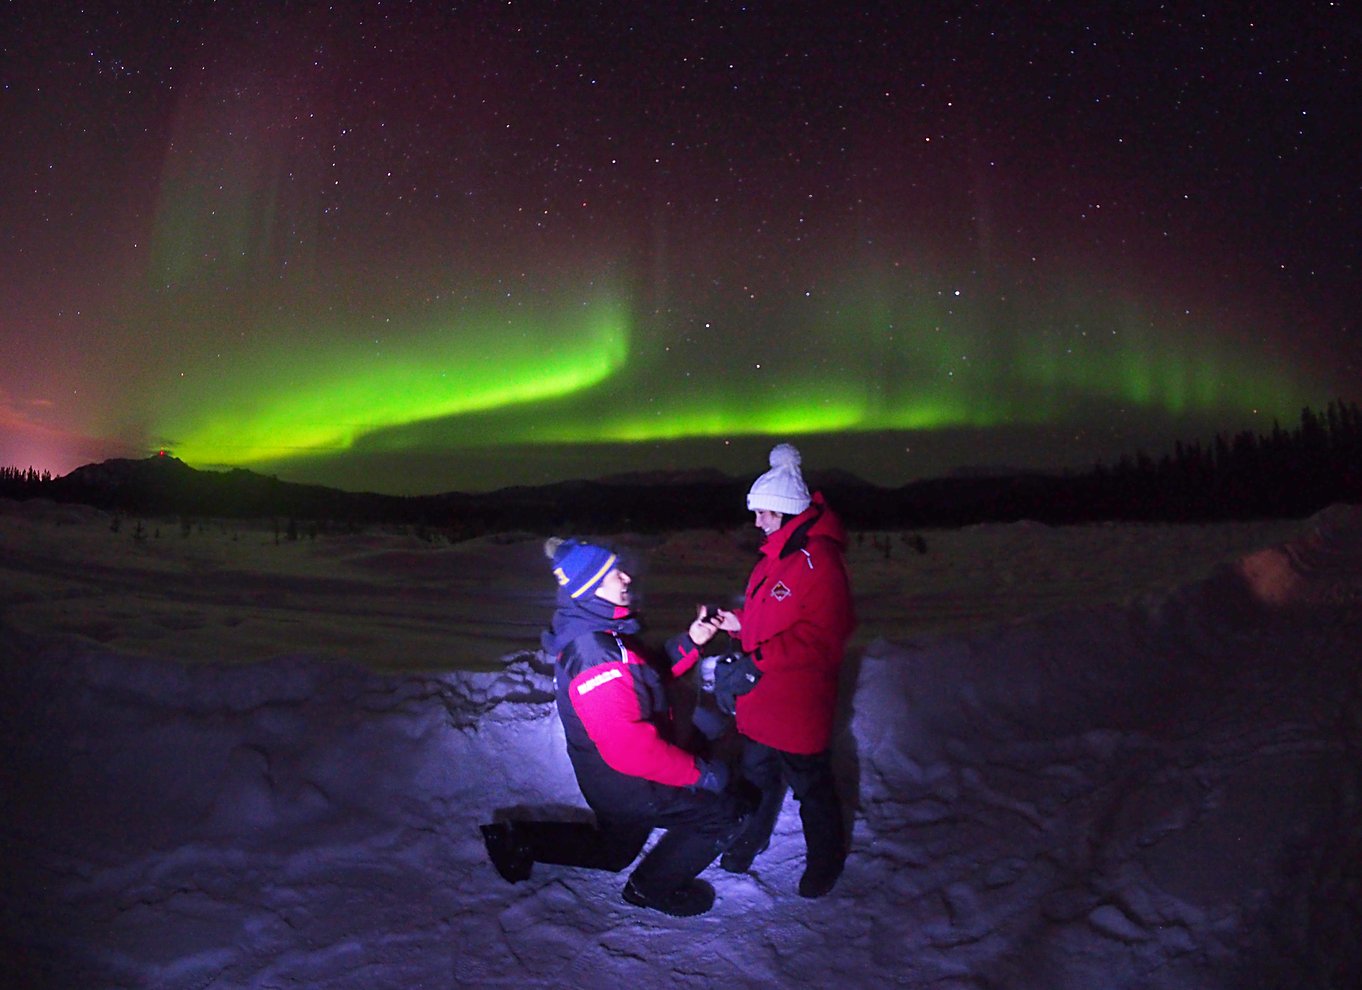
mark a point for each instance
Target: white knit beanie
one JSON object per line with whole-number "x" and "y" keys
{"x": 782, "y": 488}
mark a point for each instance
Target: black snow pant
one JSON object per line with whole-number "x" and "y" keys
{"x": 820, "y": 810}
{"x": 699, "y": 825}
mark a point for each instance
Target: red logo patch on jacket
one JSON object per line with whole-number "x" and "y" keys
{"x": 781, "y": 591}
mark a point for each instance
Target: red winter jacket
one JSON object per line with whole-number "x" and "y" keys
{"x": 796, "y": 618}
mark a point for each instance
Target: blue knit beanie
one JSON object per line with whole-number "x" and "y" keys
{"x": 579, "y": 567}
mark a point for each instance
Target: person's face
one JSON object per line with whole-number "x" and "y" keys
{"x": 614, "y": 587}
{"x": 767, "y": 521}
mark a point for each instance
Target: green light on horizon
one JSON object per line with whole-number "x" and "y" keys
{"x": 883, "y": 366}
{"x": 322, "y": 400}
{"x": 883, "y": 362}
{"x": 1124, "y": 358}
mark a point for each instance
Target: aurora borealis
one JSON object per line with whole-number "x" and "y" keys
{"x": 416, "y": 247}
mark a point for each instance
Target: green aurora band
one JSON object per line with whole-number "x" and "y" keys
{"x": 285, "y": 405}
{"x": 904, "y": 367}
{"x": 580, "y": 375}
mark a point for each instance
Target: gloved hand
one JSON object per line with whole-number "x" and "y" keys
{"x": 734, "y": 674}
{"x": 713, "y": 776}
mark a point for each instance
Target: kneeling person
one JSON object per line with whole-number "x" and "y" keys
{"x": 620, "y": 738}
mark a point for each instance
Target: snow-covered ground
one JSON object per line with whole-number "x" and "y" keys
{"x": 1089, "y": 757}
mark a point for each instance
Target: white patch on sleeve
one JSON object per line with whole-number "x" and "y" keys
{"x": 600, "y": 679}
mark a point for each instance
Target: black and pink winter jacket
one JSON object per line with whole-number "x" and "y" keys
{"x": 612, "y": 700}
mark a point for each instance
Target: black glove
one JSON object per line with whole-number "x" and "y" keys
{"x": 713, "y": 776}
{"x": 734, "y": 674}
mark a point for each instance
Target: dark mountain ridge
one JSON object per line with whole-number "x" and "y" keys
{"x": 164, "y": 485}
{"x": 1279, "y": 475}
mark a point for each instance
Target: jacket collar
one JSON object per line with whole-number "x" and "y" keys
{"x": 816, "y": 521}
{"x": 577, "y": 616}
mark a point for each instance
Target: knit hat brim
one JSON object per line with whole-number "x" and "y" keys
{"x": 776, "y": 502}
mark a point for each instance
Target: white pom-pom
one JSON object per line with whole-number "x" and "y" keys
{"x": 784, "y": 455}
{"x": 551, "y": 546}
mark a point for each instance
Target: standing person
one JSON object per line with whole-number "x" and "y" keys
{"x": 794, "y": 622}
{"x": 620, "y": 738}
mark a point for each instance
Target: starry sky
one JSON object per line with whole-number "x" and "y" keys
{"x": 423, "y": 247}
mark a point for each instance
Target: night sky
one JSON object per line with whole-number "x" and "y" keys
{"x": 420, "y": 247}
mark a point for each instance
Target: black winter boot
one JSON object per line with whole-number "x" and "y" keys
{"x": 740, "y": 861}
{"x": 691, "y": 898}
{"x": 508, "y": 852}
{"x": 820, "y": 877}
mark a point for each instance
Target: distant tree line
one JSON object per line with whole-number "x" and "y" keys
{"x": 1280, "y": 474}
{"x": 23, "y": 482}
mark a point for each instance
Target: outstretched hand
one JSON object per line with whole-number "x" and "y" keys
{"x": 704, "y": 627}
{"x": 709, "y": 619}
